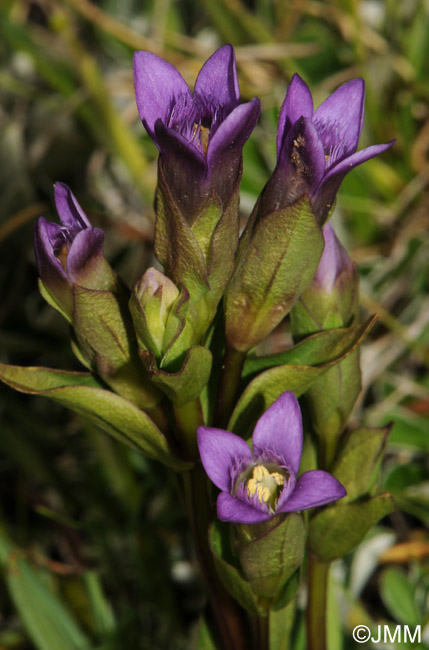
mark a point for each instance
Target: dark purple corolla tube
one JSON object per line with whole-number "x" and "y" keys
{"x": 316, "y": 149}
{"x": 71, "y": 252}
{"x": 200, "y": 134}
{"x": 260, "y": 483}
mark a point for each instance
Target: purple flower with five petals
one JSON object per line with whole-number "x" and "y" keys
{"x": 200, "y": 135}
{"x": 70, "y": 253}
{"x": 316, "y": 149}
{"x": 259, "y": 483}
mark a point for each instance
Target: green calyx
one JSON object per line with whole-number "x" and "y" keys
{"x": 277, "y": 259}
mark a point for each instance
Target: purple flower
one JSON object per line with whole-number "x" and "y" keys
{"x": 263, "y": 482}
{"x": 70, "y": 253}
{"x": 200, "y": 135}
{"x": 316, "y": 149}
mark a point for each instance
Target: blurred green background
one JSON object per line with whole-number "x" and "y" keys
{"x": 94, "y": 547}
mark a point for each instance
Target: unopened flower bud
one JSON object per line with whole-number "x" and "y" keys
{"x": 156, "y": 294}
{"x": 71, "y": 253}
{"x": 331, "y": 300}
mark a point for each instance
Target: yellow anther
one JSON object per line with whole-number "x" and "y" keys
{"x": 61, "y": 255}
{"x": 264, "y": 484}
{"x": 204, "y": 138}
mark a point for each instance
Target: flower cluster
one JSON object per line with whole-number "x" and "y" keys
{"x": 154, "y": 342}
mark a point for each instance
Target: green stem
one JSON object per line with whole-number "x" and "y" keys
{"x": 328, "y": 451}
{"x": 226, "y": 612}
{"x": 188, "y": 417}
{"x": 229, "y": 385}
{"x": 317, "y": 605}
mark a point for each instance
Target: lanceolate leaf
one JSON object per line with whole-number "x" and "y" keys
{"x": 301, "y": 368}
{"x": 110, "y": 412}
{"x": 318, "y": 349}
{"x": 358, "y": 459}
{"x": 37, "y": 380}
{"x": 48, "y": 623}
{"x": 338, "y": 529}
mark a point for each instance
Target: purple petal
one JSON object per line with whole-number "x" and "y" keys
{"x": 171, "y": 142}
{"x": 346, "y": 165}
{"x": 186, "y": 170}
{"x": 334, "y": 260}
{"x": 324, "y": 196}
{"x": 279, "y": 432}
{"x": 314, "y": 488}
{"x": 69, "y": 210}
{"x": 230, "y": 508}
{"x": 234, "y": 131}
{"x": 297, "y": 103}
{"x": 339, "y": 119}
{"x": 47, "y": 263}
{"x": 85, "y": 251}
{"x": 157, "y": 85}
{"x": 299, "y": 169}
{"x": 218, "y": 78}
{"x": 222, "y": 453}
{"x": 49, "y": 266}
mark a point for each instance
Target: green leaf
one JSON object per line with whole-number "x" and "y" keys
{"x": 332, "y": 396}
{"x": 358, "y": 459}
{"x": 230, "y": 575}
{"x": 35, "y": 379}
{"x": 338, "y": 529}
{"x": 270, "y": 553}
{"x": 108, "y": 411}
{"x": 316, "y": 350}
{"x": 101, "y": 610}
{"x": 296, "y": 377}
{"x": 186, "y": 384}
{"x": 398, "y": 596}
{"x": 205, "y": 638}
{"x": 46, "y": 619}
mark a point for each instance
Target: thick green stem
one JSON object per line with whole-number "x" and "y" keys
{"x": 229, "y": 385}
{"x": 317, "y": 605}
{"x": 228, "y": 617}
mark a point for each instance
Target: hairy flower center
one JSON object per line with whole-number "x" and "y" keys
{"x": 197, "y": 118}
{"x": 266, "y": 485}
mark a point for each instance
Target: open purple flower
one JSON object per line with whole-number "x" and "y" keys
{"x": 71, "y": 252}
{"x": 259, "y": 483}
{"x": 316, "y": 149}
{"x": 200, "y": 135}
